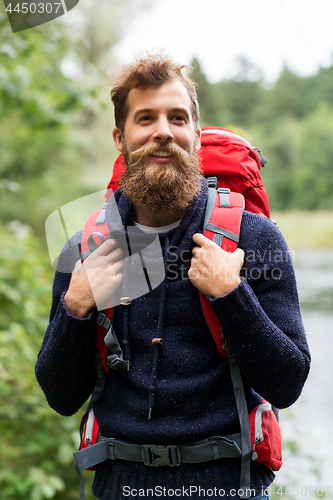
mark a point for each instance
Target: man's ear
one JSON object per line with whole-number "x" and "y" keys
{"x": 198, "y": 139}
{"x": 118, "y": 139}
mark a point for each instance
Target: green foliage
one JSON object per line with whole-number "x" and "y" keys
{"x": 286, "y": 99}
{"x": 36, "y": 443}
{"x": 32, "y": 112}
{"x": 206, "y": 100}
{"x": 237, "y": 99}
{"x": 313, "y": 179}
{"x": 281, "y": 149}
{"x": 291, "y": 122}
{"x": 36, "y": 102}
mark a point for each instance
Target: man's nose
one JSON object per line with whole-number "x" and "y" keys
{"x": 163, "y": 131}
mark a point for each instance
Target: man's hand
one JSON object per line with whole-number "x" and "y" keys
{"x": 95, "y": 281}
{"x": 214, "y": 271}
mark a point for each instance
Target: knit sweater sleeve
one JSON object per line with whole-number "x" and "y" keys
{"x": 65, "y": 364}
{"x": 261, "y": 319}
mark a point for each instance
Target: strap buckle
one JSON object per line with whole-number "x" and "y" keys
{"x": 103, "y": 320}
{"x": 212, "y": 181}
{"x": 154, "y": 456}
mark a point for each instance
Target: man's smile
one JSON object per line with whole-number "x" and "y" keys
{"x": 161, "y": 153}
{"x": 161, "y": 156}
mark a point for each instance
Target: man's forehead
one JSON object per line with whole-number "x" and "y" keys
{"x": 172, "y": 94}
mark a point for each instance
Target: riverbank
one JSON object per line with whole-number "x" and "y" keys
{"x": 306, "y": 229}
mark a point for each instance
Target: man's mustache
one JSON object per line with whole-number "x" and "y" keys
{"x": 150, "y": 149}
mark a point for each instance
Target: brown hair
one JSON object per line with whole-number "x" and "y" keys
{"x": 153, "y": 69}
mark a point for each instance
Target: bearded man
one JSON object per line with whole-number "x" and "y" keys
{"x": 178, "y": 392}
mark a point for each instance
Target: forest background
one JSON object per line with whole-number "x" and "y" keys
{"x": 56, "y": 146}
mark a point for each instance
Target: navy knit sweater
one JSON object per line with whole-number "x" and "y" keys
{"x": 189, "y": 386}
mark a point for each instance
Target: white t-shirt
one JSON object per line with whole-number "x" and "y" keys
{"x": 156, "y": 230}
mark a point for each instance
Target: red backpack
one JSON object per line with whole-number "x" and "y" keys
{"x": 232, "y": 167}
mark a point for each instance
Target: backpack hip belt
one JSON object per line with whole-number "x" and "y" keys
{"x": 153, "y": 455}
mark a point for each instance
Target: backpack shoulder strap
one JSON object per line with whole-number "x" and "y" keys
{"x": 95, "y": 232}
{"x": 223, "y": 217}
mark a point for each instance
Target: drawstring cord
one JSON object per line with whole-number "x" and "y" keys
{"x": 126, "y": 342}
{"x": 126, "y": 301}
{"x": 158, "y": 341}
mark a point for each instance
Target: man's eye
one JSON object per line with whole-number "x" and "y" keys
{"x": 145, "y": 118}
{"x": 179, "y": 118}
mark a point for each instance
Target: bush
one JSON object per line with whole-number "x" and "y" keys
{"x": 37, "y": 444}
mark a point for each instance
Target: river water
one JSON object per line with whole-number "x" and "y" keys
{"x": 307, "y": 427}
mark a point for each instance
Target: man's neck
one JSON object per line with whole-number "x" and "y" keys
{"x": 157, "y": 218}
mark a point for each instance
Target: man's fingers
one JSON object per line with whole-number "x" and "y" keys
{"x": 201, "y": 240}
{"x": 114, "y": 256}
{"x": 106, "y": 247}
{"x": 118, "y": 267}
{"x": 107, "y": 253}
{"x": 240, "y": 253}
{"x": 78, "y": 267}
{"x": 195, "y": 251}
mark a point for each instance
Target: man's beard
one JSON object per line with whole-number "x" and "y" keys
{"x": 169, "y": 187}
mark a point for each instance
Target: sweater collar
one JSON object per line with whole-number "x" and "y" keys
{"x": 180, "y": 238}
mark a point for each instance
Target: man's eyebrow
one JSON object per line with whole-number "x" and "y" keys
{"x": 141, "y": 111}
{"x": 180, "y": 110}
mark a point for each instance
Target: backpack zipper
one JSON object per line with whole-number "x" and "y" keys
{"x": 259, "y": 435}
{"x": 262, "y": 158}
{"x": 89, "y": 427}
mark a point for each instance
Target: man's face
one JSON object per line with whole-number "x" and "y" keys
{"x": 161, "y": 113}
{"x": 159, "y": 144}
